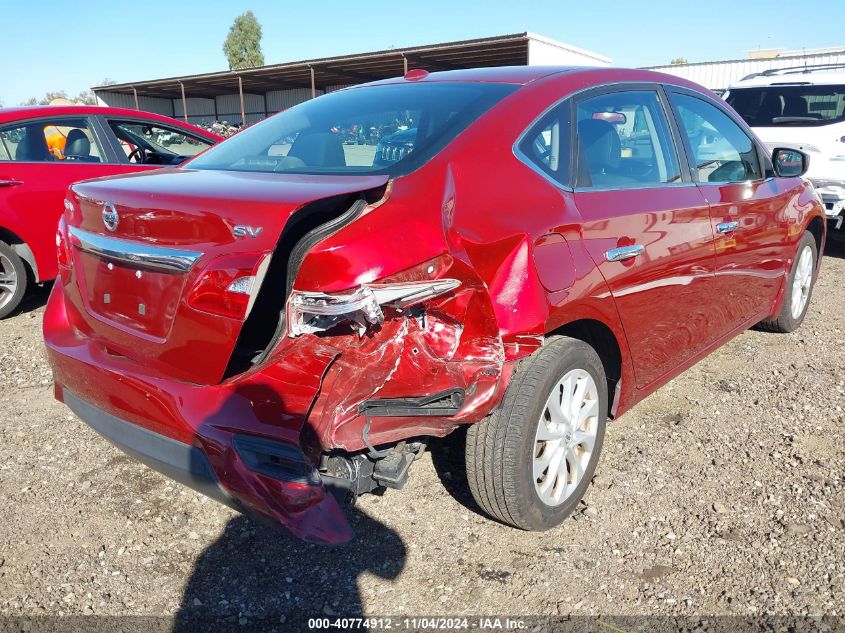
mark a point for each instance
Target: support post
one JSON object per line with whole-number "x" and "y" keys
{"x": 313, "y": 82}
{"x": 135, "y": 92}
{"x": 405, "y": 62}
{"x": 184, "y": 103}
{"x": 241, "y": 93}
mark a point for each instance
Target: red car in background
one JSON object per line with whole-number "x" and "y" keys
{"x": 44, "y": 149}
{"x": 283, "y": 321}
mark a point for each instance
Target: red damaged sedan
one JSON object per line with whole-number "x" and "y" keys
{"x": 283, "y": 321}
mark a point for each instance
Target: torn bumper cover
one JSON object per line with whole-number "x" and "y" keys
{"x": 238, "y": 443}
{"x": 254, "y": 441}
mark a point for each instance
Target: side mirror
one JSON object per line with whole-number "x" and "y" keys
{"x": 789, "y": 163}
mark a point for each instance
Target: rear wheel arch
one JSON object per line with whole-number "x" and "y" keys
{"x": 22, "y": 249}
{"x": 602, "y": 339}
{"x": 816, "y": 229}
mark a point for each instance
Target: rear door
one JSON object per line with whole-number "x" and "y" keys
{"x": 747, "y": 206}
{"x": 39, "y": 159}
{"x": 646, "y": 225}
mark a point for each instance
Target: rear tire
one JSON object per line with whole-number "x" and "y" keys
{"x": 530, "y": 462}
{"x": 799, "y": 289}
{"x": 13, "y": 280}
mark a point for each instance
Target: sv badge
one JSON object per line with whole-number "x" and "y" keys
{"x": 242, "y": 230}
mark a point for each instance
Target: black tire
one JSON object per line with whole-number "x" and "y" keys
{"x": 500, "y": 449}
{"x": 9, "y": 258}
{"x": 786, "y": 321}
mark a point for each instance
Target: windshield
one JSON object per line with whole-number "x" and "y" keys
{"x": 390, "y": 129}
{"x": 803, "y": 105}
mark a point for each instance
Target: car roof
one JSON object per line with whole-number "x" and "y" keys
{"x": 793, "y": 77}
{"x": 520, "y": 75}
{"x": 523, "y": 75}
{"x": 9, "y": 115}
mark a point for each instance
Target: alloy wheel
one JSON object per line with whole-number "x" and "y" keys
{"x": 566, "y": 436}
{"x": 802, "y": 282}
{"x": 8, "y": 280}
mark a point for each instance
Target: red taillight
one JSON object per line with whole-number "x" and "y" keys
{"x": 228, "y": 285}
{"x": 62, "y": 249}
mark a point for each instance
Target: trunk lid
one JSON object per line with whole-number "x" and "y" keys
{"x": 140, "y": 244}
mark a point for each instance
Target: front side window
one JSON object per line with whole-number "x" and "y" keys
{"x": 546, "y": 144}
{"x": 52, "y": 140}
{"x": 789, "y": 106}
{"x": 721, "y": 150}
{"x": 624, "y": 141}
{"x": 153, "y": 144}
{"x": 389, "y": 129}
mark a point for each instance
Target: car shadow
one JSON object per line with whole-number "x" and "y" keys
{"x": 449, "y": 461}
{"x": 835, "y": 248}
{"x": 258, "y": 577}
{"x": 36, "y": 297}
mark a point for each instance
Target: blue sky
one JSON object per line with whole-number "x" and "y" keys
{"x": 59, "y": 45}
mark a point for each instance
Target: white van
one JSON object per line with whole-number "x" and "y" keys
{"x": 802, "y": 108}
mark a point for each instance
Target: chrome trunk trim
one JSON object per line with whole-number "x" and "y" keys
{"x": 134, "y": 253}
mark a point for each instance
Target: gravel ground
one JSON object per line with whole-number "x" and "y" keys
{"x": 723, "y": 493}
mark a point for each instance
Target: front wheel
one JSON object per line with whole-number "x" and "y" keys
{"x": 799, "y": 288}
{"x": 12, "y": 280}
{"x": 530, "y": 462}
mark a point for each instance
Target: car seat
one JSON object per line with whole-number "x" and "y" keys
{"x": 600, "y": 154}
{"x": 797, "y": 106}
{"x": 319, "y": 149}
{"x": 33, "y": 146}
{"x": 78, "y": 147}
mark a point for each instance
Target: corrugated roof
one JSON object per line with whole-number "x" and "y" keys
{"x": 501, "y": 50}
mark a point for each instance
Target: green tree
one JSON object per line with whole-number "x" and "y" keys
{"x": 243, "y": 44}
{"x": 86, "y": 97}
{"x": 678, "y": 61}
{"x": 46, "y": 99}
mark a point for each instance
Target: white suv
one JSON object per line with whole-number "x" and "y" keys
{"x": 802, "y": 108}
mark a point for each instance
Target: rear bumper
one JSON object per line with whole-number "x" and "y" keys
{"x": 237, "y": 443}
{"x": 183, "y": 463}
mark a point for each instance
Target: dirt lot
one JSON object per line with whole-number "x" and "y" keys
{"x": 723, "y": 493}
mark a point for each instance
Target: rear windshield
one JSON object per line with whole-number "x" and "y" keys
{"x": 389, "y": 129}
{"x": 799, "y": 106}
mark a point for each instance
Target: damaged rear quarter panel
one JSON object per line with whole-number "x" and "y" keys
{"x": 485, "y": 212}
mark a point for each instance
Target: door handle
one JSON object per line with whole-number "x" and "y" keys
{"x": 10, "y": 182}
{"x": 624, "y": 252}
{"x": 727, "y": 227}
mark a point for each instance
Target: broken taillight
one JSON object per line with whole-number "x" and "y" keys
{"x": 310, "y": 312}
{"x": 228, "y": 285}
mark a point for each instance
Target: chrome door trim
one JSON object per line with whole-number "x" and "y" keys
{"x": 727, "y": 227}
{"x": 135, "y": 253}
{"x": 624, "y": 252}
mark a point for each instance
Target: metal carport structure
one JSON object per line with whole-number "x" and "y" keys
{"x": 252, "y": 94}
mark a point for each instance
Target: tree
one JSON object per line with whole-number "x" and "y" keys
{"x": 46, "y": 99}
{"x": 86, "y": 97}
{"x": 678, "y": 61}
{"x": 243, "y": 44}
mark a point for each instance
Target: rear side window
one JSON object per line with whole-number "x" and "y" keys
{"x": 795, "y": 106}
{"x": 388, "y": 129}
{"x": 546, "y": 144}
{"x": 47, "y": 141}
{"x": 624, "y": 141}
{"x": 721, "y": 150}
